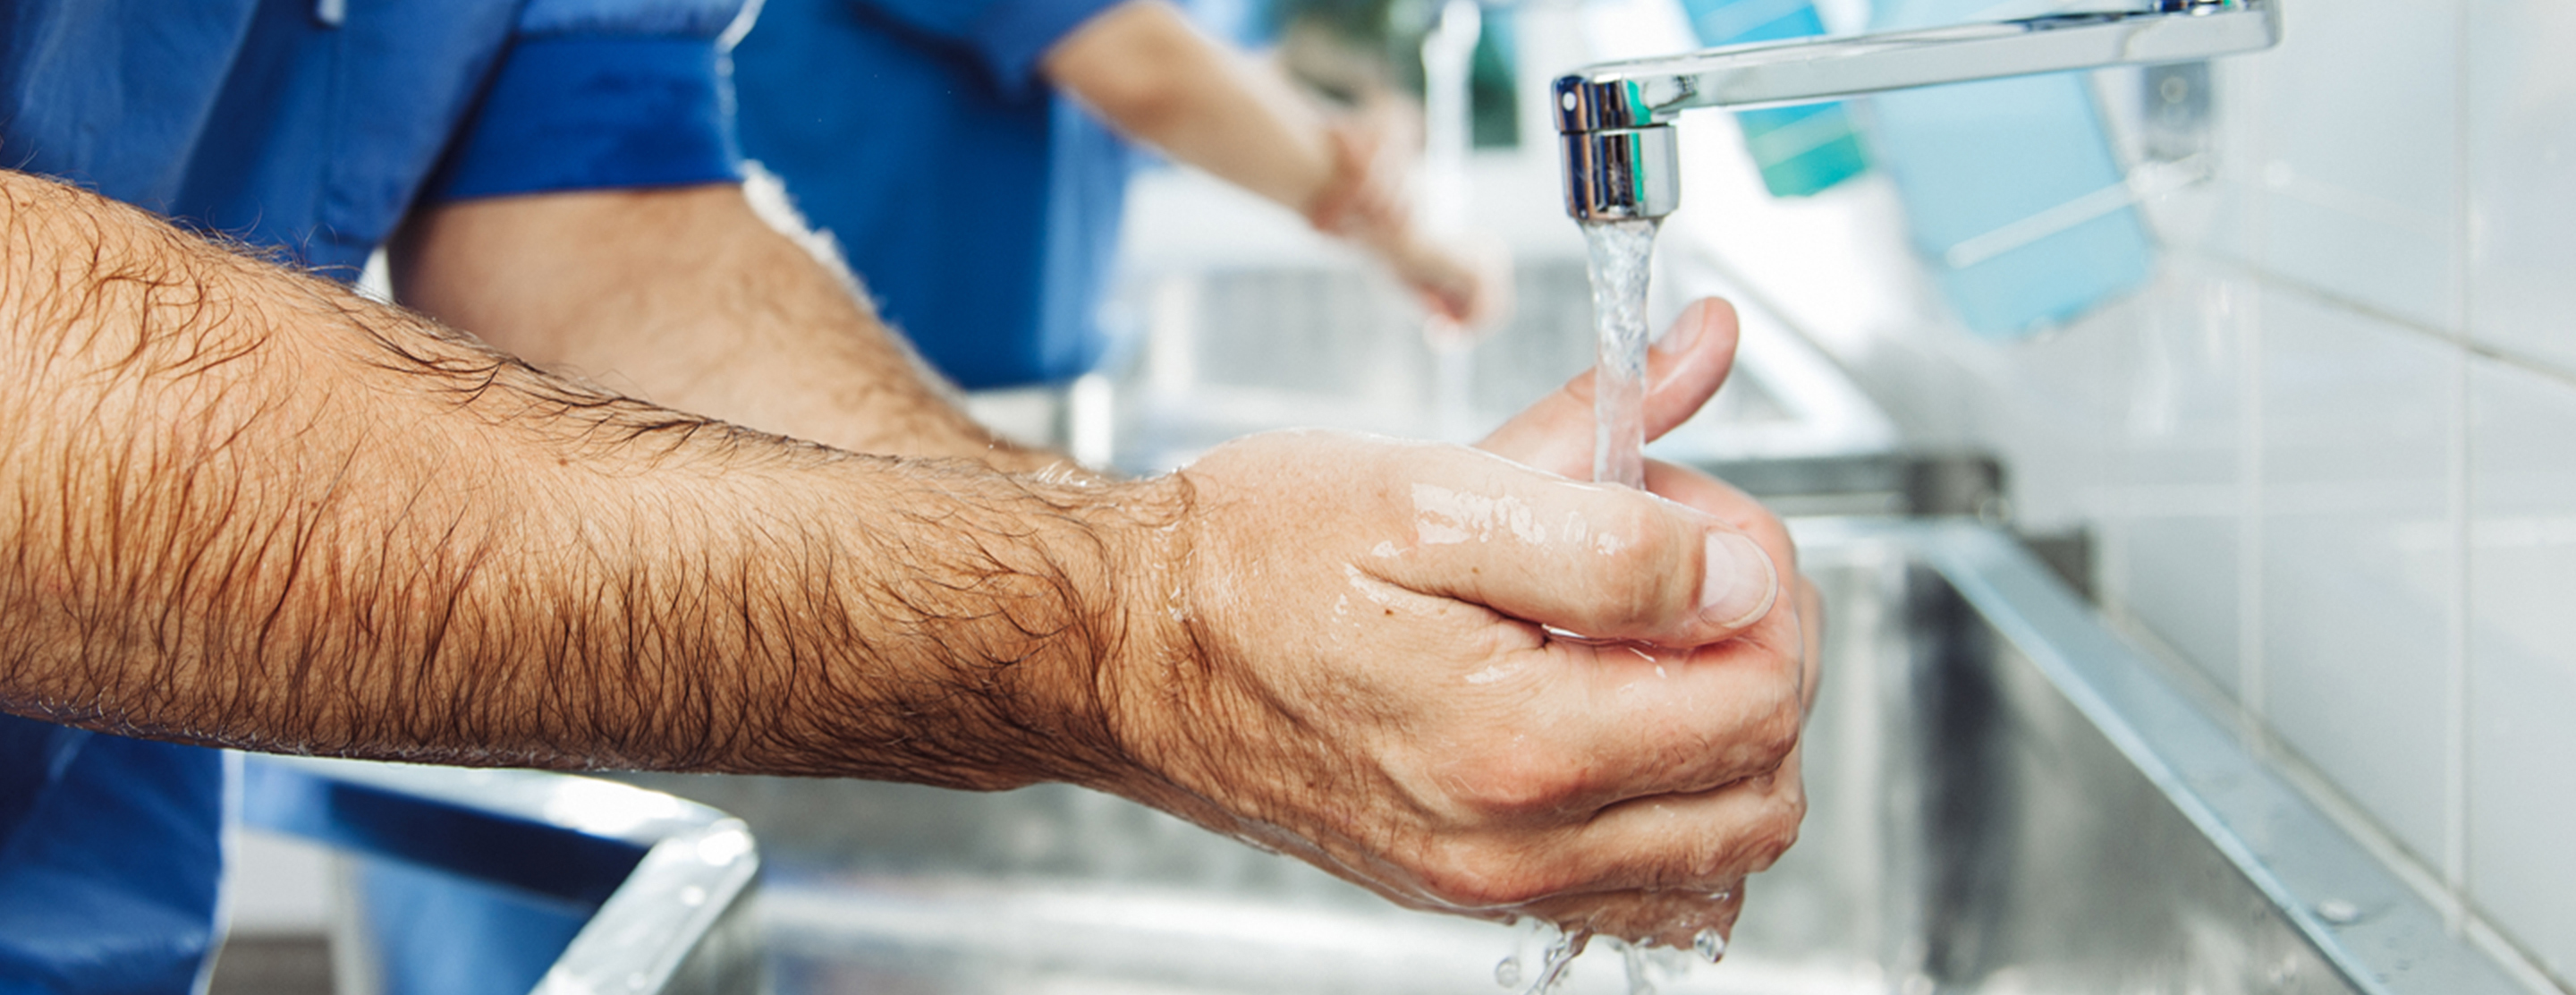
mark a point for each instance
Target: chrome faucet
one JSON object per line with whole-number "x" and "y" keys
{"x": 1615, "y": 119}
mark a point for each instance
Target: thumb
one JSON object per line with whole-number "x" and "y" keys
{"x": 1683, "y": 370}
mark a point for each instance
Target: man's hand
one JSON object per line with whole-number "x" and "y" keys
{"x": 1358, "y": 666}
{"x": 1684, "y": 369}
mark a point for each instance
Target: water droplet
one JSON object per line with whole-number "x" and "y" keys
{"x": 1710, "y": 945}
{"x": 2337, "y": 912}
{"x": 1508, "y": 972}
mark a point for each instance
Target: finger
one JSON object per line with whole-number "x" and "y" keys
{"x": 1811, "y": 632}
{"x": 1740, "y": 510}
{"x": 1467, "y": 280}
{"x": 1624, "y": 721}
{"x": 1701, "y": 843}
{"x": 1683, "y": 370}
{"x": 1726, "y": 503}
{"x": 1601, "y": 561}
{"x": 1595, "y": 731}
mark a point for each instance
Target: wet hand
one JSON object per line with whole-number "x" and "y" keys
{"x": 1684, "y": 369}
{"x": 1355, "y": 665}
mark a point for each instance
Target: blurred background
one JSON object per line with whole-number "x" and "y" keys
{"x": 2271, "y": 357}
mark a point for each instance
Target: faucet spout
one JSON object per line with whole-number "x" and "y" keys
{"x": 1614, "y": 119}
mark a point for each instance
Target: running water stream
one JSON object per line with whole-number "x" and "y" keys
{"x": 1619, "y": 254}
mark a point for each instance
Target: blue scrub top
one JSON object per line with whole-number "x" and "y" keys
{"x": 312, "y": 136}
{"x": 979, "y": 207}
{"x": 262, "y": 120}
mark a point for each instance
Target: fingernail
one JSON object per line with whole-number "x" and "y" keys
{"x": 1738, "y": 584}
{"x": 1685, "y": 333}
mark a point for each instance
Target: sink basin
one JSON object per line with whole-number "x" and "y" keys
{"x": 1229, "y": 351}
{"x": 2006, "y": 797}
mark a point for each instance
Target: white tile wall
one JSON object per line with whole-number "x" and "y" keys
{"x": 2331, "y": 455}
{"x": 2522, "y": 172}
{"x": 2360, "y": 559}
{"x": 2181, "y": 493}
{"x": 2522, "y": 646}
{"x": 2048, "y": 399}
{"x": 2360, "y": 157}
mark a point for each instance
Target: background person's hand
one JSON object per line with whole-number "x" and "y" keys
{"x": 1464, "y": 282}
{"x": 1355, "y": 666}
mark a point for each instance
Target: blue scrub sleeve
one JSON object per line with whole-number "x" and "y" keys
{"x": 1006, "y": 37}
{"x": 596, "y": 111}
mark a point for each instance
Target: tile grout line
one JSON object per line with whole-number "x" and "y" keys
{"x": 2456, "y": 853}
{"x": 2462, "y": 340}
{"x": 2250, "y": 668}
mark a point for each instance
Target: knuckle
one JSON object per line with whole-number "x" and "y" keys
{"x": 1646, "y": 575}
{"x": 1766, "y": 739}
{"x": 1754, "y": 847}
{"x": 1778, "y": 829}
{"x": 1517, "y": 784}
{"x": 1721, "y": 858}
{"x": 1781, "y": 730}
{"x": 1478, "y": 875}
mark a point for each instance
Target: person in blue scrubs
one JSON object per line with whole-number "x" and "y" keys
{"x": 241, "y": 506}
{"x": 966, "y": 156}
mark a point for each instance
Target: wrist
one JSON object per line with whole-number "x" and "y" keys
{"x": 1137, "y": 675}
{"x": 1338, "y": 206}
{"x": 1070, "y": 601}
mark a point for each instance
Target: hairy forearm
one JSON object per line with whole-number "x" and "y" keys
{"x": 686, "y": 298}
{"x": 244, "y": 506}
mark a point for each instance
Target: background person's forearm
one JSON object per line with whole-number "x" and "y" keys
{"x": 686, "y": 298}
{"x": 244, "y": 506}
{"x": 1147, "y": 70}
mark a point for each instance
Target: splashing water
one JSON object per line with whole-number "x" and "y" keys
{"x": 1558, "y": 948}
{"x": 1560, "y": 956}
{"x": 1619, "y": 254}
{"x": 1556, "y": 953}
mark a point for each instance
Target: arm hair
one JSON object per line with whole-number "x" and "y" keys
{"x": 243, "y": 506}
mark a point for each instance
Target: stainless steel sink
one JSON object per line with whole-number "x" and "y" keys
{"x": 1229, "y": 351}
{"x": 2006, "y": 798}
